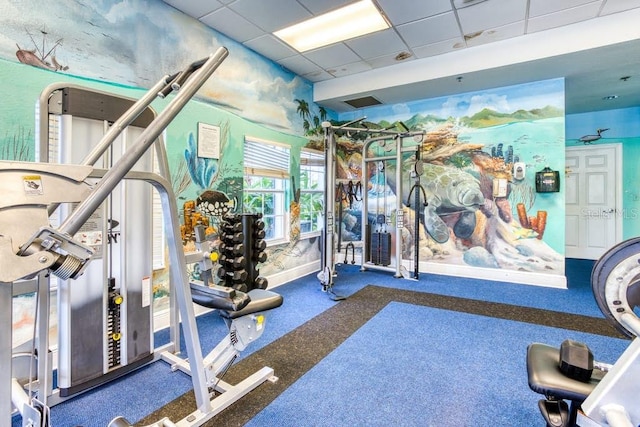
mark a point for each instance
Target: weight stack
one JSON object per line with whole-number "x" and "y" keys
{"x": 381, "y": 248}
{"x": 367, "y": 250}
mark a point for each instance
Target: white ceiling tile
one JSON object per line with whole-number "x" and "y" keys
{"x": 439, "y": 48}
{"x": 232, "y": 25}
{"x": 299, "y": 65}
{"x": 403, "y": 11}
{"x": 491, "y": 14}
{"x": 271, "y": 15}
{"x": 332, "y": 56}
{"x": 318, "y": 76}
{"x": 377, "y": 44}
{"x": 495, "y": 34}
{"x": 430, "y": 30}
{"x": 347, "y": 69}
{"x": 270, "y": 46}
{"x": 318, "y": 7}
{"x": 614, "y": 6}
{"x": 195, "y": 8}
{"x": 386, "y": 60}
{"x": 545, "y": 7}
{"x": 564, "y": 17}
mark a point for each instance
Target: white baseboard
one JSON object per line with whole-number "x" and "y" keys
{"x": 283, "y": 277}
{"x": 495, "y": 274}
{"x": 162, "y": 320}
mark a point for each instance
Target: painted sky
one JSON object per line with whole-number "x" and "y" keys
{"x": 503, "y": 100}
{"x": 136, "y": 42}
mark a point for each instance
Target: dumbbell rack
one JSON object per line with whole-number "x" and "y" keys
{"x": 242, "y": 248}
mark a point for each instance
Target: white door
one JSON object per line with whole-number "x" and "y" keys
{"x": 593, "y": 200}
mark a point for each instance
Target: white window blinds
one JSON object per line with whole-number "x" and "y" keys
{"x": 311, "y": 158}
{"x": 264, "y": 158}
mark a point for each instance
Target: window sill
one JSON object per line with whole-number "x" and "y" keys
{"x": 276, "y": 242}
{"x": 310, "y": 235}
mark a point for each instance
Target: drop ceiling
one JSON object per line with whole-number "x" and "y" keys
{"x": 444, "y": 47}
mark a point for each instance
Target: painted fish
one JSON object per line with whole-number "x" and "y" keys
{"x": 215, "y": 203}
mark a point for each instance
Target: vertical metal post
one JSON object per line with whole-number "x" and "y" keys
{"x": 328, "y": 264}
{"x": 180, "y": 286}
{"x": 42, "y": 336}
{"x": 399, "y": 211}
{"x": 364, "y": 176}
{"x": 174, "y": 315}
{"x": 6, "y": 346}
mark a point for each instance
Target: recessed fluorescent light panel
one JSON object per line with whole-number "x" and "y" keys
{"x": 356, "y": 19}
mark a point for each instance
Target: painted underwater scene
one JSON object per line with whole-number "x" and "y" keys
{"x": 463, "y": 223}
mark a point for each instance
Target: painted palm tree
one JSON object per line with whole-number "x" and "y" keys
{"x": 303, "y": 108}
{"x": 323, "y": 114}
{"x": 311, "y": 124}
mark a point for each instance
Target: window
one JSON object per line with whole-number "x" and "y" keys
{"x": 266, "y": 176}
{"x": 311, "y": 191}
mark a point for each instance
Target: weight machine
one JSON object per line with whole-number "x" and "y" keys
{"x": 112, "y": 323}
{"x": 395, "y": 153}
{"x": 31, "y": 249}
{"x": 607, "y": 395}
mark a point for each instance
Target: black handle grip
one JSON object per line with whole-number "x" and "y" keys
{"x": 178, "y": 79}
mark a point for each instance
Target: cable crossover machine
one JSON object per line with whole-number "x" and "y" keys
{"x": 383, "y": 150}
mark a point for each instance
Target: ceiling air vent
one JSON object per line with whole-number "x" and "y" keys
{"x": 367, "y": 101}
{"x": 459, "y": 4}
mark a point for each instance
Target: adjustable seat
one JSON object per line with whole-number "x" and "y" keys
{"x": 546, "y": 378}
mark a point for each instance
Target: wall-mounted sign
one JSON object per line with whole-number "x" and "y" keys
{"x": 208, "y": 141}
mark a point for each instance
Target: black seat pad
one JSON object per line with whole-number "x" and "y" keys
{"x": 261, "y": 300}
{"x": 546, "y": 378}
{"x": 210, "y": 298}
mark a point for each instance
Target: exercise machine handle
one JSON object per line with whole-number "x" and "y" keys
{"x": 113, "y": 177}
{"x": 178, "y": 79}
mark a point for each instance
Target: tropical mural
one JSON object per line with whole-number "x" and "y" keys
{"x": 471, "y": 147}
{"x": 110, "y": 40}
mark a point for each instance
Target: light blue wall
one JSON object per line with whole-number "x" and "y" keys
{"x": 623, "y": 128}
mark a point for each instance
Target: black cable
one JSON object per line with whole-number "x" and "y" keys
{"x": 341, "y": 196}
{"x": 424, "y": 194}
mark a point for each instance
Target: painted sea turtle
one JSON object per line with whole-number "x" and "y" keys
{"x": 215, "y": 203}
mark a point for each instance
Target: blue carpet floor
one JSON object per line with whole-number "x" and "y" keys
{"x": 148, "y": 389}
{"x": 419, "y": 366}
{"x": 577, "y": 298}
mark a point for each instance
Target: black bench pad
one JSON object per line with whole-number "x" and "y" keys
{"x": 546, "y": 378}
{"x": 261, "y": 300}
{"x": 217, "y": 297}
